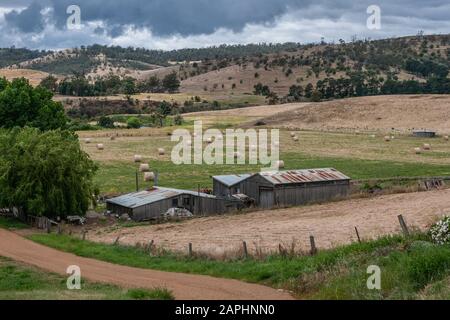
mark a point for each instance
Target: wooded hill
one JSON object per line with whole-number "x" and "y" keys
{"x": 289, "y": 72}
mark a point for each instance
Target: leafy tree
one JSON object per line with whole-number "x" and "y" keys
{"x": 106, "y": 122}
{"x": 45, "y": 173}
{"x": 171, "y": 82}
{"x": 22, "y": 105}
{"x": 164, "y": 109}
{"x": 50, "y": 83}
{"x": 134, "y": 123}
{"x": 296, "y": 92}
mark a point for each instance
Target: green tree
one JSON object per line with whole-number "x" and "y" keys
{"x": 22, "y": 105}
{"x": 171, "y": 82}
{"x": 134, "y": 123}
{"x": 106, "y": 122}
{"x": 45, "y": 173}
{"x": 50, "y": 83}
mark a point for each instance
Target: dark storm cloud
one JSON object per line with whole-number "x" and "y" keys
{"x": 27, "y": 20}
{"x": 195, "y": 18}
{"x": 165, "y": 17}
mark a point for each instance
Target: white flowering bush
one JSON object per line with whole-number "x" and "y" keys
{"x": 440, "y": 232}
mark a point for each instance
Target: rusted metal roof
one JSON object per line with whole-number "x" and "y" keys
{"x": 232, "y": 179}
{"x": 142, "y": 198}
{"x": 303, "y": 176}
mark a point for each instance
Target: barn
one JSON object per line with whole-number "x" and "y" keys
{"x": 424, "y": 133}
{"x": 296, "y": 187}
{"x": 153, "y": 203}
{"x": 228, "y": 185}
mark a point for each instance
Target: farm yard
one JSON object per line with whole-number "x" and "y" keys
{"x": 332, "y": 225}
{"x": 359, "y": 153}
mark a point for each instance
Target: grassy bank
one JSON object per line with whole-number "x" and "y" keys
{"x": 411, "y": 269}
{"x": 21, "y": 282}
{"x": 11, "y": 223}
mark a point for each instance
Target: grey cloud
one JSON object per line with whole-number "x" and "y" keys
{"x": 194, "y": 18}
{"x": 28, "y": 20}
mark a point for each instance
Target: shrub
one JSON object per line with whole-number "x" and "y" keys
{"x": 134, "y": 123}
{"x": 440, "y": 232}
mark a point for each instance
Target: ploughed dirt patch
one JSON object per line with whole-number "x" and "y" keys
{"x": 332, "y": 224}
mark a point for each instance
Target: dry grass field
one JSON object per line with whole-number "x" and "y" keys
{"x": 332, "y": 224}
{"x": 35, "y": 77}
{"x": 402, "y": 113}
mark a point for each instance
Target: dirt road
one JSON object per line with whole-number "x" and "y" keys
{"x": 183, "y": 286}
{"x": 332, "y": 224}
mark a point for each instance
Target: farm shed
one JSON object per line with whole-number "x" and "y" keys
{"x": 296, "y": 187}
{"x": 229, "y": 185}
{"x": 153, "y": 203}
{"x": 424, "y": 134}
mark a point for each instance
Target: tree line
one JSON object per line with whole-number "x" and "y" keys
{"x": 78, "y": 85}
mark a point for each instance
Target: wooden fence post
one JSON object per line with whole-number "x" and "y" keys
{"x": 150, "y": 247}
{"x": 403, "y": 225}
{"x": 84, "y": 235}
{"x": 357, "y": 234}
{"x": 244, "y": 245}
{"x": 116, "y": 242}
{"x": 48, "y": 226}
{"x": 313, "y": 245}
{"x": 59, "y": 228}
{"x": 190, "y": 249}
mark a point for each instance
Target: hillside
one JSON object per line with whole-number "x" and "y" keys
{"x": 282, "y": 73}
{"x": 404, "y": 113}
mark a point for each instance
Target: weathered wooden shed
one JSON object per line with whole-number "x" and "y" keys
{"x": 296, "y": 187}
{"x": 153, "y": 203}
{"x": 228, "y": 185}
{"x": 424, "y": 133}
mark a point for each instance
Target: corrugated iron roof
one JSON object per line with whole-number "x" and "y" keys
{"x": 303, "y": 176}
{"x": 142, "y": 198}
{"x": 232, "y": 179}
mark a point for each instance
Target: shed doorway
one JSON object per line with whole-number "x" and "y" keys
{"x": 266, "y": 198}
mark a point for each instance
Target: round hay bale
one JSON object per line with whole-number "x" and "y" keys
{"x": 446, "y": 138}
{"x": 280, "y": 164}
{"x": 426, "y": 146}
{"x": 87, "y": 140}
{"x": 292, "y": 134}
{"x": 295, "y": 138}
{"x": 137, "y": 158}
{"x": 209, "y": 140}
{"x": 100, "y": 146}
{"x": 161, "y": 151}
{"x": 417, "y": 150}
{"x": 387, "y": 138}
{"x": 373, "y": 136}
{"x": 144, "y": 167}
{"x": 149, "y": 176}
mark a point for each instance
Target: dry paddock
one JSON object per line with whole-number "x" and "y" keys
{"x": 332, "y": 224}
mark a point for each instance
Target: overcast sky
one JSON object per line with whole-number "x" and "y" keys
{"x": 173, "y": 24}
